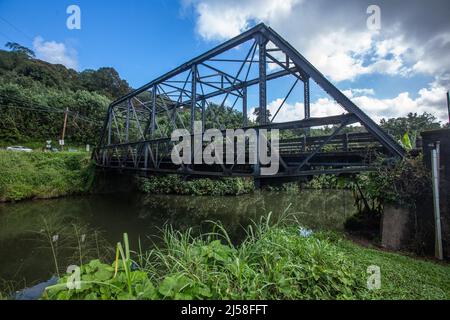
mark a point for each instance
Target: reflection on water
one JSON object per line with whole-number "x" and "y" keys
{"x": 25, "y": 253}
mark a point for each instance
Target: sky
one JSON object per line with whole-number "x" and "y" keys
{"x": 398, "y": 65}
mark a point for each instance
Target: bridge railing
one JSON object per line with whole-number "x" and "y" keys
{"x": 341, "y": 151}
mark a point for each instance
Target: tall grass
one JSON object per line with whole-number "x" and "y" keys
{"x": 68, "y": 242}
{"x": 43, "y": 175}
{"x": 275, "y": 261}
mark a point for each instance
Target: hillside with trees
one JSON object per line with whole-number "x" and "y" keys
{"x": 34, "y": 95}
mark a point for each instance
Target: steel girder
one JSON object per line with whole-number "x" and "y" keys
{"x": 131, "y": 126}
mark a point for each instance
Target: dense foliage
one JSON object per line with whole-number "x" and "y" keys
{"x": 406, "y": 184}
{"x": 174, "y": 184}
{"x": 43, "y": 175}
{"x": 18, "y": 67}
{"x": 413, "y": 124}
{"x": 35, "y": 94}
{"x": 274, "y": 262}
{"x": 25, "y": 115}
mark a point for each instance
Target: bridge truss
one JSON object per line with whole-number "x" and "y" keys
{"x": 137, "y": 128}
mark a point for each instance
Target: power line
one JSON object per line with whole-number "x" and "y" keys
{"x": 6, "y": 36}
{"x": 16, "y": 28}
{"x": 48, "y": 111}
{"x": 43, "y": 108}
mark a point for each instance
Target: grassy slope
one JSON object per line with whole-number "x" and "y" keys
{"x": 43, "y": 175}
{"x": 402, "y": 277}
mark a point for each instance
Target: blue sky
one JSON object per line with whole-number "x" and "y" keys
{"x": 141, "y": 39}
{"x": 386, "y": 72}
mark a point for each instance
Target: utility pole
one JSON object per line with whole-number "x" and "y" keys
{"x": 64, "y": 128}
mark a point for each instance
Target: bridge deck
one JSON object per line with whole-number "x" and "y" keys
{"x": 346, "y": 153}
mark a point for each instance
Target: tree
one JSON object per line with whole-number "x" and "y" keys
{"x": 407, "y": 129}
{"x": 104, "y": 81}
{"x": 258, "y": 117}
{"x": 15, "y": 47}
{"x": 412, "y": 124}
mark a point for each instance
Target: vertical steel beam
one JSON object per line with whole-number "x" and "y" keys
{"x": 203, "y": 115}
{"x": 193, "y": 95}
{"x": 257, "y": 167}
{"x": 307, "y": 100}
{"x": 153, "y": 125}
{"x": 244, "y": 106}
{"x": 262, "y": 42}
{"x": 109, "y": 125}
{"x": 345, "y": 143}
{"x": 146, "y": 145}
{"x": 127, "y": 125}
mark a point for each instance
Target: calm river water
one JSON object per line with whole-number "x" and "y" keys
{"x": 28, "y": 230}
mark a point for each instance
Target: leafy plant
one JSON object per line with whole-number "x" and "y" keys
{"x": 99, "y": 282}
{"x": 406, "y": 142}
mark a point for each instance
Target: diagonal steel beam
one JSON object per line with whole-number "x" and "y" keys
{"x": 323, "y": 144}
{"x": 337, "y": 95}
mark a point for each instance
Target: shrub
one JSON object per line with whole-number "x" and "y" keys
{"x": 174, "y": 184}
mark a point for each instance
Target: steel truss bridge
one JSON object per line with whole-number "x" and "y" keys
{"x": 137, "y": 128}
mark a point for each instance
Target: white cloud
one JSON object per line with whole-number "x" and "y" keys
{"x": 55, "y": 52}
{"x": 431, "y": 100}
{"x": 350, "y": 93}
{"x": 220, "y": 20}
{"x": 332, "y": 36}
{"x": 429, "y": 59}
{"x": 322, "y": 107}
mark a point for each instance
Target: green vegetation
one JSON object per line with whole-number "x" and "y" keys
{"x": 174, "y": 184}
{"x": 35, "y": 94}
{"x": 403, "y": 184}
{"x": 288, "y": 187}
{"x": 406, "y": 184}
{"x": 411, "y": 125}
{"x": 43, "y": 175}
{"x": 36, "y": 113}
{"x": 275, "y": 261}
{"x": 19, "y": 67}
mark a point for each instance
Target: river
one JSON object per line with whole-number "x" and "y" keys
{"x": 29, "y": 230}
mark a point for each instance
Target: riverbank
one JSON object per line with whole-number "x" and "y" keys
{"x": 278, "y": 260}
{"x": 43, "y": 175}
